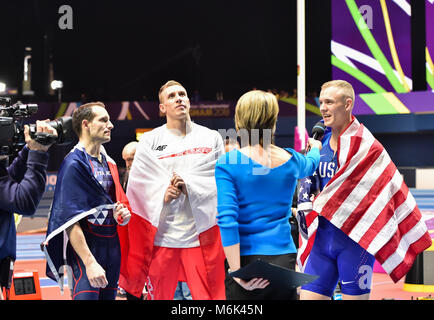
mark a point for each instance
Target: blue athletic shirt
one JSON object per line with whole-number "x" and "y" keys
{"x": 313, "y": 185}
{"x": 254, "y": 202}
{"x": 103, "y": 175}
{"x": 334, "y": 255}
{"x": 326, "y": 170}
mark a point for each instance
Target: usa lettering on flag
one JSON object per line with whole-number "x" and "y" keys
{"x": 369, "y": 201}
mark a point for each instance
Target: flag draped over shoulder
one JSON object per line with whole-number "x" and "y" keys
{"x": 148, "y": 181}
{"x": 77, "y": 195}
{"x": 307, "y": 222}
{"x": 369, "y": 201}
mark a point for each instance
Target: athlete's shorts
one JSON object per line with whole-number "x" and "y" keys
{"x": 334, "y": 257}
{"x": 170, "y": 265}
{"x": 103, "y": 242}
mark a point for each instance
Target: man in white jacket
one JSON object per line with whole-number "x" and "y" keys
{"x": 173, "y": 195}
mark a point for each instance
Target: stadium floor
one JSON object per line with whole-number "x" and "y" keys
{"x": 31, "y": 258}
{"x": 382, "y": 286}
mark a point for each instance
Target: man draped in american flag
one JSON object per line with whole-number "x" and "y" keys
{"x": 364, "y": 210}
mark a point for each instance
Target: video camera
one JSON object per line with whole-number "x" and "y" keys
{"x": 12, "y": 128}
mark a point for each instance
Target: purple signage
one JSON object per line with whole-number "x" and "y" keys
{"x": 429, "y": 9}
{"x": 371, "y": 45}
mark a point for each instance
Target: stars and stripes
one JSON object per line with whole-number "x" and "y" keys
{"x": 307, "y": 219}
{"x": 369, "y": 201}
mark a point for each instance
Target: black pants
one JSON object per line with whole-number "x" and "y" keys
{"x": 236, "y": 292}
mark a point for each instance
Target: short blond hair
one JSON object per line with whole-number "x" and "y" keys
{"x": 166, "y": 85}
{"x": 345, "y": 87}
{"x": 256, "y": 109}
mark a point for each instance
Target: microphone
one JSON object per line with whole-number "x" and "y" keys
{"x": 318, "y": 130}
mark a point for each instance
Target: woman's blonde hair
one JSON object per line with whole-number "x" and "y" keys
{"x": 256, "y": 110}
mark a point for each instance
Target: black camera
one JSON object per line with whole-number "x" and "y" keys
{"x": 12, "y": 128}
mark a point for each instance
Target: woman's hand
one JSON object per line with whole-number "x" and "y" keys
{"x": 252, "y": 284}
{"x": 314, "y": 143}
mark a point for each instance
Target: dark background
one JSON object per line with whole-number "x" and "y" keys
{"x": 127, "y": 49}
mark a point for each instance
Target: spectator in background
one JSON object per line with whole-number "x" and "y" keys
{"x": 128, "y": 153}
{"x": 196, "y": 96}
{"x": 283, "y": 94}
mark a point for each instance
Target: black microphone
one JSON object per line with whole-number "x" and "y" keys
{"x": 318, "y": 130}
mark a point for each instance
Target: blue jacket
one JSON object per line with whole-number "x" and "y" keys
{"x": 22, "y": 185}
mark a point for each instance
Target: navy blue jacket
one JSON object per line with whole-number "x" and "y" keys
{"x": 22, "y": 185}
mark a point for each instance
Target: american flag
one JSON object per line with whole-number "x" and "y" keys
{"x": 307, "y": 219}
{"x": 369, "y": 201}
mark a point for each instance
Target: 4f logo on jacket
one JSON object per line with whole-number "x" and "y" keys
{"x": 161, "y": 148}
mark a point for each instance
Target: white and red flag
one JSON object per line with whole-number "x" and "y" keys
{"x": 147, "y": 184}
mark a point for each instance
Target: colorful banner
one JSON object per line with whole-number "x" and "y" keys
{"x": 429, "y": 13}
{"x": 365, "y": 103}
{"x": 136, "y": 110}
{"x": 371, "y": 44}
{"x": 393, "y": 103}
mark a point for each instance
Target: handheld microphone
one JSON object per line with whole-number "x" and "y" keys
{"x": 317, "y": 132}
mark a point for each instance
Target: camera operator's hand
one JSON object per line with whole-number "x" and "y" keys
{"x": 41, "y": 126}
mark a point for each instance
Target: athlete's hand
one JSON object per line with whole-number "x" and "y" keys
{"x": 177, "y": 182}
{"x": 172, "y": 192}
{"x": 252, "y": 284}
{"x": 96, "y": 274}
{"x": 121, "y": 214}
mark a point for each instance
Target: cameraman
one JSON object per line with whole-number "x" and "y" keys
{"x": 21, "y": 187}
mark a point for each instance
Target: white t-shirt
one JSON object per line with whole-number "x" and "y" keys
{"x": 177, "y": 227}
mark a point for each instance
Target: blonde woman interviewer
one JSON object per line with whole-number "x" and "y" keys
{"x": 255, "y": 185}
